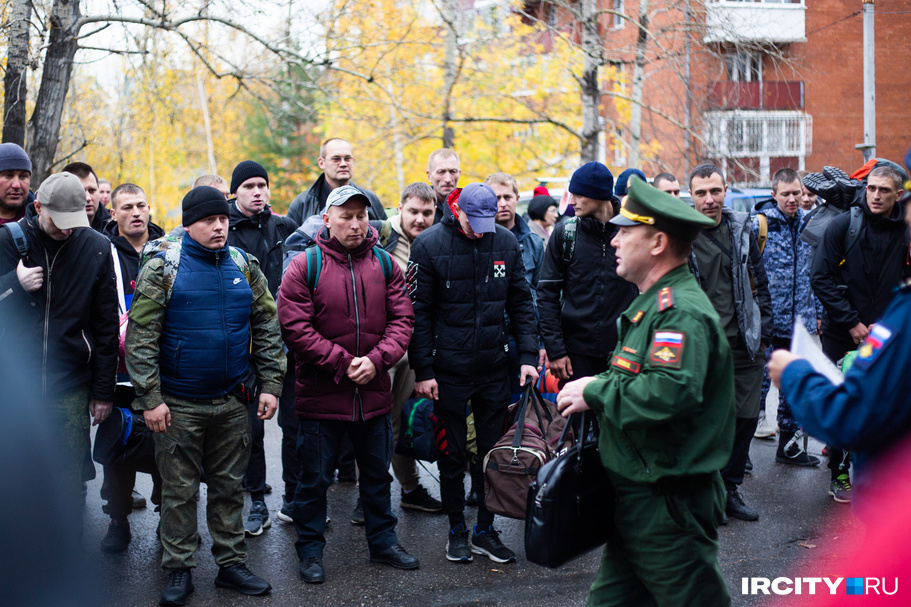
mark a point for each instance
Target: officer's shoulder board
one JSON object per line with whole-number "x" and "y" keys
{"x": 879, "y": 337}
{"x": 665, "y": 299}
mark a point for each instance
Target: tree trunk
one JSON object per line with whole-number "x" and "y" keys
{"x": 44, "y": 126}
{"x": 449, "y": 68}
{"x": 14, "y": 83}
{"x": 591, "y": 93}
{"x": 635, "y": 121}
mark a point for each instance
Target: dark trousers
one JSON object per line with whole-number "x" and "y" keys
{"x": 255, "y": 476}
{"x": 733, "y": 472}
{"x": 119, "y": 479}
{"x": 287, "y": 421}
{"x": 317, "y": 445}
{"x": 489, "y": 400}
{"x": 836, "y": 348}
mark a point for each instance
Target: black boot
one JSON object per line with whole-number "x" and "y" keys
{"x": 118, "y": 536}
{"x": 178, "y": 588}
{"x": 736, "y": 508}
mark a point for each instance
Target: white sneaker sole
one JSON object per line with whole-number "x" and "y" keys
{"x": 266, "y": 525}
{"x": 284, "y": 517}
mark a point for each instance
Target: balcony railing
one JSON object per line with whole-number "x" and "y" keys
{"x": 762, "y": 133}
{"x": 756, "y": 96}
{"x": 764, "y": 21}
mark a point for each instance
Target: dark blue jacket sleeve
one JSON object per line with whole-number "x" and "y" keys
{"x": 872, "y": 408}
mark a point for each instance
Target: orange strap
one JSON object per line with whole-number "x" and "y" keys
{"x": 864, "y": 170}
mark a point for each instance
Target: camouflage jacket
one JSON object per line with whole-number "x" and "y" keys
{"x": 147, "y": 317}
{"x": 787, "y": 262}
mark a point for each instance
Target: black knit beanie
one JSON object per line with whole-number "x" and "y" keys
{"x": 538, "y": 206}
{"x": 244, "y": 171}
{"x": 201, "y": 202}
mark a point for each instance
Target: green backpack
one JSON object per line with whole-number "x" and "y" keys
{"x": 171, "y": 247}
{"x": 315, "y": 264}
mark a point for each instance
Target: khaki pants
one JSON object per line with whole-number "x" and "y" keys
{"x": 212, "y": 435}
{"x": 404, "y": 468}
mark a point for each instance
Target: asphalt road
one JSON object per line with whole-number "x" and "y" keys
{"x": 798, "y": 522}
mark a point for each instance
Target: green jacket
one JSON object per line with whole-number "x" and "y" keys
{"x": 666, "y": 404}
{"x": 147, "y": 314}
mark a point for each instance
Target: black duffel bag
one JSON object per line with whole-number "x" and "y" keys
{"x": 570, "y": 505}
{"x": 124, "y": 439}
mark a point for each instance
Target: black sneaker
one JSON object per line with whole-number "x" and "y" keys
{"x": 357, "y": 516}
{"x": 748, "y": 468}
{"x": 487, "y": 542}
{"x": 419, "y": 499}
{"x": 258, "y": 519}
{"x": 736, "y": 507}
{"x": 792, "y": 450}
{"x": 840, "y": 489}
{"x": 178, "y": 587}
{"x": 396, "y": 556}
{"x": 458, "y": 549}
{"x": 117, "y": 538}
{"x": 241, "y": 579}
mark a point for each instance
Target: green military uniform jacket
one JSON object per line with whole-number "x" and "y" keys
{"x": 147, "y": 313}
{"x": 666, "y": 404}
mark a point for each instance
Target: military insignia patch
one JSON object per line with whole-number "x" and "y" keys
{"x": 637, "y": 317}
{"x": 499, "y": 269}
{"x": 626, "y": 364}
{"x": 877, "y": 339}
{"x": 667, "y": 348}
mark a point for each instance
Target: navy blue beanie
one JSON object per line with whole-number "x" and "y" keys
{"x": 244, "y": 171}
{"x": 622, "y": 187}
{"x": 14, "y": 158}
{"x": 592, "y": 180}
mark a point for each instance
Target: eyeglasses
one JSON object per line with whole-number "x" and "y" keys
{"x": 338, "y": 159}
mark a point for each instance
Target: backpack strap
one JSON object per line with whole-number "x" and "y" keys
{"x": 385, "y": 262}
{"x": 763, "y": 235}
{"x": 853, "y": 232}
{"x": 18, "y": 238}
{"x": 242, "y": 262}
{"x": 171, "y": 263}
{"x": 569, "y": 238}
{"x": 314, "y": 265}
{"x": 118, "y": 272}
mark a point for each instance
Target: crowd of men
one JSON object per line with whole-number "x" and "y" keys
{"x": 658, "y": 315}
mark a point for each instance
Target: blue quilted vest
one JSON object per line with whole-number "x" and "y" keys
{"x": 205, "y": 340}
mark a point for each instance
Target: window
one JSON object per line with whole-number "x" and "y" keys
{"x": 744, "y": 67}
{"x": 619, "y": 21}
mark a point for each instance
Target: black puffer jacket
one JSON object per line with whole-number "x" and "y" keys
{"x": 861, "y": 289}
{"x": 261, "y": 235}
{"x": 72, "y": 317}
{"x": 460, "y": 288}
{"x": 313, "y": 200}
{"x": 579, "y": 301}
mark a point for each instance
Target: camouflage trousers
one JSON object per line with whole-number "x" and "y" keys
{"x": 211, "y": 435}
{"x": 72, "y": 412}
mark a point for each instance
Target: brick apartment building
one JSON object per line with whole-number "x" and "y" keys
{"x": 763, "y": 84}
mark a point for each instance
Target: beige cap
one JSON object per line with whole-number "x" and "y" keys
{"x": 63, "y": 196}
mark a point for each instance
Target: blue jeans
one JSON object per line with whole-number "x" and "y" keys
{"x": 317, "y": 446}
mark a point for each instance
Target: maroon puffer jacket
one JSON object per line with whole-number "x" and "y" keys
{"x": 352, "y": 311}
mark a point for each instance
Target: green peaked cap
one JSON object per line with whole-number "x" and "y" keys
{"x": 646, "y": 205}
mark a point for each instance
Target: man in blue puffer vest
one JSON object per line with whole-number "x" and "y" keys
{"x": 187, "y": 351}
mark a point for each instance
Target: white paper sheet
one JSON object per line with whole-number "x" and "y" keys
{"x": 803, "y": 346}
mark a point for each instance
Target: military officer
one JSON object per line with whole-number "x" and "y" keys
{"x": 666, "y": 412}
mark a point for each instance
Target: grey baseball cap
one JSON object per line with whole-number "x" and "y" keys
{"x": 343, "y": 194}
{"x": 63, "y": 196}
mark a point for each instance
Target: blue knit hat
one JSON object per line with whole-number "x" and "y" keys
{"x": 592, "y": 180}
{"x": 622, "y": 187}
{"x": 14, "y": 158}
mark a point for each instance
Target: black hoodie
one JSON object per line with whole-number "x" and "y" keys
{"x": 127, "y": 255}
{"x": 861, "y": 288}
